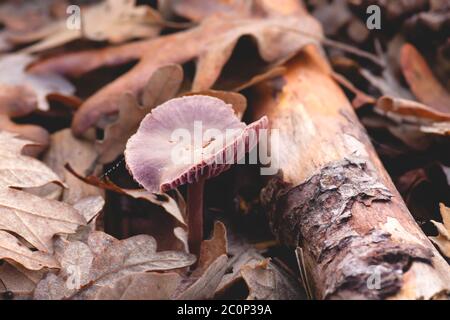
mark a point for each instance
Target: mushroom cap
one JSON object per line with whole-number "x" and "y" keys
{"x": 187, "y": 138}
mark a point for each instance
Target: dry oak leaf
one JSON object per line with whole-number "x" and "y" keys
{"x": 423, "y": 84}
{"x": 20, "y": 171}
{"x": 23, "y": 15}
{"x": 196, "y": 10}
{"x": 11, "y": 248}
{"x": 204, "y": 287}
{"x": 443, "y": 238}
{"x": 18, "y": 280}
{"x": 111, "y": 20}
{"x": 141, "y": 286}
{"x": 90, "y": 208}
{"x": 36, "y": 219}
{"x": 201, "y": 284}
{"x": 33, "y": 88}
{"x": 411, "y": 111}
{"x": 211, "y": 43}
{"x": 80, "y": 154}
{"x": 212, "y": 249}
{"x": 265, "y": 281}
{"x": 104, "y": 260}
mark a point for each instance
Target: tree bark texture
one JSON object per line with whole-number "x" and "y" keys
{"x": 334, "y": 199}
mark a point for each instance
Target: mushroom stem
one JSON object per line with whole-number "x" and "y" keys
{"x": 195, "y": 214}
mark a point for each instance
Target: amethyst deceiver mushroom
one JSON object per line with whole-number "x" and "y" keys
{"x": 188, "y": 140}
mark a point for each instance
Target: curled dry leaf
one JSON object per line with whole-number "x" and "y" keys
{"x": 211, "y": 267}
{"x": 11, "y": 248}
{"x": 212, "y": 249}
{"x": 111, "y": 20}
{"x": 422, "y": 81}
{"x": 20, "y": 171}
{"x": 201, "y": 284}
{"x": 36, "y": 219}
{"x": 263, "y": 278}
{"x": 103, "y": 260}
{"x": 408, "y": 110}
{"x": 205, "y": 286}
{"x": 162, "y": 85}
{"x": 211, "y": 43}
{"x": 18, "y": 280}
{"x": 24, "y": 15}
{"x": 141, "y": 286}
{"x": 90, "y": 207}
{"x": 197, "y": 10}
{"x": 81, "y": 155}
{"x": 17, "y": 86}
{"x": 443, "y": 238}
{"x": 17, "y": 101}
{"x": 265, "y": 281}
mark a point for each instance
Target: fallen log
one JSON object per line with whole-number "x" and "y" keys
{"x": 334, "y": 199}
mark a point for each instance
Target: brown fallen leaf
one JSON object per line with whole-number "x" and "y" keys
{"x": 415, "y": 112}
{"x": 263, "y": 279}
{"x": 31, "y": 89}
{"x": 422, "y": 81}
{"x": 205, "y": 286}
{"x": 81, "y": 155}
{"x": 102, "y": 261}
{"x": 20, "y": 171}
{"x": 141, "y": 286}
{"x": 266, "y": 282}
{"x": 29, "y": 15}
{"x": 162, "y": 85}
{"x": 4, "y": 44}
{"x": 18, "y": 280}
{"x": 36, "y": 219}
{"x": 90, "y": 208}
{"x": 197, "y": 10}
{"x": 442, "y": 240}
{"x": 151, "y": 286}
{"x": 212, "y": 249}
{"x": 212, "y": 43}
{"x": 37, "y": 134}
{"x": 11, "y": 248}
{"x": 111, "y": 20}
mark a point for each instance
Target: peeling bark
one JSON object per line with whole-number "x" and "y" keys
{"x": 334, "y": 199}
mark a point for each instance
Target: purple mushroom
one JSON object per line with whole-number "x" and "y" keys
{"x": 188, "y": 140}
